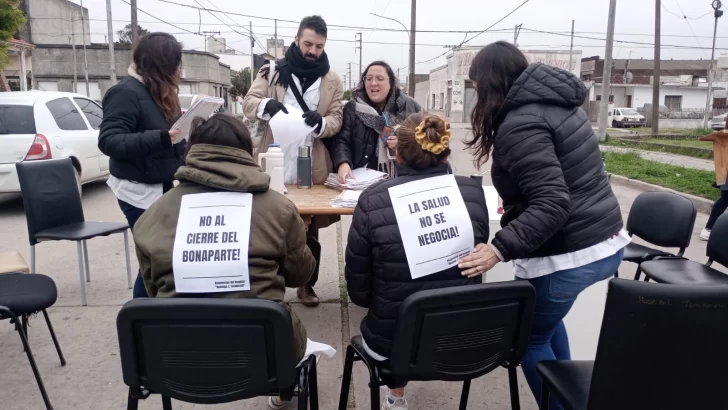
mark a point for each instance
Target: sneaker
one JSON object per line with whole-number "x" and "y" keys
{"x": 275, "y": 403}
{"x": 394, "y": 403}
{"x": 308, "y": 296}
{"x": 705, "y": 234}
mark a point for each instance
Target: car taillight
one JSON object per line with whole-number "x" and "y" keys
{"x": 40, "y": 149}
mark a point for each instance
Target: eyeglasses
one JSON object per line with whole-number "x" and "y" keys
{"x": 377, "y": 79}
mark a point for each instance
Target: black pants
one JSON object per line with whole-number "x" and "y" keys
{"x": 313, "y": 243}
{"x": 718, "y": 208}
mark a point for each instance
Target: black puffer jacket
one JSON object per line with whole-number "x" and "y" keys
{"x": 548, "y": 169}
{"x": 377, "y": 274}
{"x": 135, "y": 136}
{"x": 357, "y": 144}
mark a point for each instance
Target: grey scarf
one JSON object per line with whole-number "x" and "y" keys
{"x": 372, "y": 119}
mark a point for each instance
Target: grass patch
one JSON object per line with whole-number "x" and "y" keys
{"x": 689, "y": 148}
{"x": 697, "y": 132}
{"x": 683, "y": 143}
{"x": 687, "y": 180}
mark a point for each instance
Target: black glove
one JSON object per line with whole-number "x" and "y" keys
{"x": 272, "y": 107}
{"x": 314, "y": 119}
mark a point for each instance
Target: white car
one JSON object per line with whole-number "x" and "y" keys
{"x": 718, "y": 123}
{"x": 41, "y": 125}
{"x": 627, "y": 117}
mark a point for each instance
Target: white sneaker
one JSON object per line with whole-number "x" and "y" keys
{"x": 705, "y": 234}
{"x": 394, "y": 403}
{"x": 275, "y": 403}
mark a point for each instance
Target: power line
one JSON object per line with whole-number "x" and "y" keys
{"x": 683, "y": 15}
{"x": 622, "y": 41}
{"x": 251, "y": 31}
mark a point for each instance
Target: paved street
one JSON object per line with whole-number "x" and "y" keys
{"x": 92, "y": 379}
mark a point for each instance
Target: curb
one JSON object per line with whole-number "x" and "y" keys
{"x": 702, "y": 204}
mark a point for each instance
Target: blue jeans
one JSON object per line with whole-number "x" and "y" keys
{"x": 132, "y": 214}
{"x": 555, "y": 295}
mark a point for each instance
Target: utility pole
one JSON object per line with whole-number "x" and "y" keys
{"x": 134, "y": 24}
{"x": 85, "y": 57}
{"x": 275, "y": 38}
{"x": 708, "y": 111}
{"x": 571, "y": 48}
{"x": 360, "y": 52}
{"x": 656, "y": 76}
{"x": 73, "y": 48}
{"x": 413, "y": 32}
{"x": 607, "y": 73}
{"x": 211, "y": 33}
{"x": 350, "y": 76}
{"x": 110, "y": 25}
{"x": 252, "y": 55}
{"x": 516, "y": 32}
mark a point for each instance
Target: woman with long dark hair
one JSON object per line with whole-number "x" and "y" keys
{"x": 135, "y": 133}
{"x": 562, "y": 226}
{"x": 377, "y": 106}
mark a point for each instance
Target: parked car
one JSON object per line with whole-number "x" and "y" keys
{"x": 37, "y": 126}
{"x": 627, "y": 117}
{"x": 718, "y": 123}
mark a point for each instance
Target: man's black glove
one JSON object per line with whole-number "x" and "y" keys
{"x": 272, "y": 107}
{"x": 314, "y": 119}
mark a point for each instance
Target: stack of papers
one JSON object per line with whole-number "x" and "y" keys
{"x": 203, "y": 107}
{"x": 347, "y": 199}
{"x": 363, "y": 179}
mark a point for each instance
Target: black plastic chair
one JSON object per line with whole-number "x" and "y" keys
{"x": 681, "y": 271}
{"x": 54, "y": 212}
{"x": 211, "y": 351}
{"x": 660, "y": 347}
{"x": 22, "y": 294}
{"x": 663, "y": 219}
{"x": 452, "y": 334}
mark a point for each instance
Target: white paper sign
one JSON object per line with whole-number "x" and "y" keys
{"x": 290, "y": 131}
{"x": 493, "y": 203}
{"x": 211, "y": 244}
{"x": 434, "y": 224}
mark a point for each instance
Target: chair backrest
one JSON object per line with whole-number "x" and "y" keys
{"x": 463, "y": 332}
{"x": 717, "y": 249}
{"x": 663, "y": 219}
{"x": 207, "y": 350}
{"x": 662, "y": 347}
{"x": 50, "y": 194}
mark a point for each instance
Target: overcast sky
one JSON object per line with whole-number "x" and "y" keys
{"x": 634, "y": 22}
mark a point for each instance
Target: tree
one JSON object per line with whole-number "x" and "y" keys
{"x": 12, "y": 19}
{"x": 347, "y": 95}
{"x": 125, "y": 35}
{"x": 240, "y": 81}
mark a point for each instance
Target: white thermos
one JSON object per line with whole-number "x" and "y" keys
{"x": 273, "y": 166}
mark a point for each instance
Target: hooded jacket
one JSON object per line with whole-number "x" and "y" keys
{"x": 548, "y": 169}
{"x": 277, "y": 256}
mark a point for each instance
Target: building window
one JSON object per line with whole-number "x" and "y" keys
{"x": 432, "y": 105}
{"x": 720, "y": 103}
{"x": 442, "y": 101}
{"x": 611, "y": 98}
{"x": 673, "y": 102}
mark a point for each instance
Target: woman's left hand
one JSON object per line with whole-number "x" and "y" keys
{"x": 480, "y": 261}
{"x": 392, "y": 142}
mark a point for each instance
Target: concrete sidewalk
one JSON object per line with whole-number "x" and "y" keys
{"x": 665, "y": 158}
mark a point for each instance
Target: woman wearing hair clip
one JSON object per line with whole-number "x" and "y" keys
{"x": 367, "y": 137}
{"x": 377, "y": 273}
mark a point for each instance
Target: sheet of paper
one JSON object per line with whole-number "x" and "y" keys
{"x": 319, "y": 349}
{"x": 211, "y": 244}
{"x": 203, "y": 107}
{"x": 434, "y": 224}
{"x": 289, "y": 128}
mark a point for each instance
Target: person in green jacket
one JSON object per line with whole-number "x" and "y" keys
{"x": 219, "y": 159}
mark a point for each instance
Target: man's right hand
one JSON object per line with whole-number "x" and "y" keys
{"x": 344, "y": 172}
{"x": 272, "y": 108}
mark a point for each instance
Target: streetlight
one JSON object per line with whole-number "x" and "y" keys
{"x": 410, "y": 85}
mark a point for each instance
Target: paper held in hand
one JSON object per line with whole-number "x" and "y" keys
{"x": 211, "y": 244}
{"x": 203, "y": 107}
{"x": 434, "y": 224}
{"x": 289, "y": 128}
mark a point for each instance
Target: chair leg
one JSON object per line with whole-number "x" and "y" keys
{"x": 32, "y": 258}
{"x": 513, "y": 384}
{"x": 166, "y": 403}
{"x": 24, "y": 319}
{"x": 131, "y": 402}
{"x": 128, "y": 261}
{"x": 79, "y": 250}
{"x": 313, "y": 386}
{"x": 33, "y": 366}
{"x": 85, "y": 262}
{"x": 638, "y": 273}
{"x": 53, "y": 336}
{"x": 544, "y": 397}
{"x": 464, "y": 395}
{"x": 346, "y": 378}
{"x": 374, "y": 395}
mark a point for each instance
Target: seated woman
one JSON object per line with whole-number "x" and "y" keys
{"x": 219, "y": 159}
{"x": 377, "y": 103}
{"x": 378, "y": 276}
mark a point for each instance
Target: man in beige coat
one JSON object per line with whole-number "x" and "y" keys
{"x": 302, "y": 79}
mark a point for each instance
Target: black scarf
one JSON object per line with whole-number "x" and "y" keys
{"x": 306, "y": 71}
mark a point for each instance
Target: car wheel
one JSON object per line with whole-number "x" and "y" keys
{"x": 615, "y": 124}
{"x": 78, "y": 182}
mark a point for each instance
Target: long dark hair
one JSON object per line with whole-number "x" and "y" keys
{"x": 361, "y": 89}
{"x": 157, "y": 57}
{"x": 220, "y": 129}
{"x": 494, "y": 70}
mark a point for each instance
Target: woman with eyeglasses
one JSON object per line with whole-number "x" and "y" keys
{"x": 367, "y": 137}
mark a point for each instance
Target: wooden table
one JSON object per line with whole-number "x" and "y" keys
{"x": 315, "y": 201}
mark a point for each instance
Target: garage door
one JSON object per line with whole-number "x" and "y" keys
{"x": 471, "y": 98}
